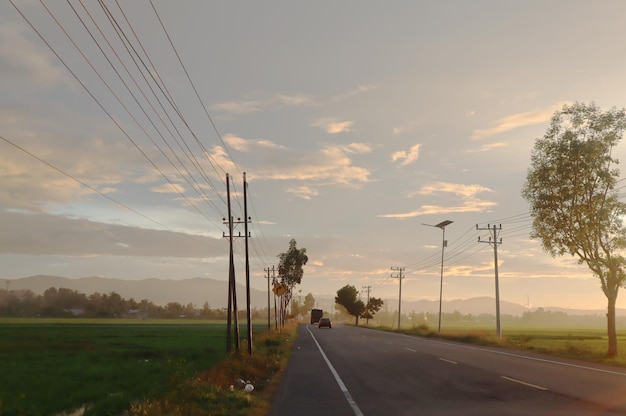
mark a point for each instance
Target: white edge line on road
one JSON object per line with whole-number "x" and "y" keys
{"x": 410, "y": 349}
{"x": 525, "y": 357}
{"x": 448, "y": 361}
{"x": 342, "y": 386}
{"x": 534, "y": 386}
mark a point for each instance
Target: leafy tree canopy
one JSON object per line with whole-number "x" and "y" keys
{"x": 309, "y": 302}
{"x": 571, "y": 188}
{"x": 291, "y": 265}
{"x": 372, "y": 306}
{"x": 347, "y": 297}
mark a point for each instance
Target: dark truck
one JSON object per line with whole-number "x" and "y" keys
{"x": 316, "y": 314}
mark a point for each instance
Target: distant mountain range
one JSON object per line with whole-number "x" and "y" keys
{"x": 480, "y": 305}
{"x": 196, "y": 291}
{"x": 200, "y": 290}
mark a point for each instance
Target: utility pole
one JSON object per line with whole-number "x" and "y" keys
{"x": 275, "y": 311}
{"x": 247, "y": 234}
{"x": 399, "y": 276}
{"x": 268, "y": 297}
{"x": 232, "y": 293}
{"x": 494, "y": 240}
{"x": 232, "y": 314}
{"x": 368, "y": 288}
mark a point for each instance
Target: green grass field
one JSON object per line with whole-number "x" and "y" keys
{"x": 52, "y": 366}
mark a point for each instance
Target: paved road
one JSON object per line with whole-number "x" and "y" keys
{"x": 360, "y": 372}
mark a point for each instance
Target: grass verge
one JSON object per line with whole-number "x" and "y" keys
{"x": 581, "y": 344}
{"x": 215, "y": 392}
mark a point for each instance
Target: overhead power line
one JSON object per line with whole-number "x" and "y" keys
{"x": 152, "y": 106}
{"x": 110, "y": 198}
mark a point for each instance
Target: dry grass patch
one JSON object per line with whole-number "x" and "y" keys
{"x": 216, "y": 391}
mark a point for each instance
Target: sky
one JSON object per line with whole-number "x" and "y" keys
{"x": 355, "y": 124}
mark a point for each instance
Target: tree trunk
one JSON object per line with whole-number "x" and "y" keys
{"x": 357, "y": 320}
{"x": 610, "y": 320}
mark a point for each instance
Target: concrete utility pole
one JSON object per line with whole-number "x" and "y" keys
{"x": 399, "y": 276}
{"x": 494, "y": 240}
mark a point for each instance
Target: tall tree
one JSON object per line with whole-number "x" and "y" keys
{"x": 347, "y": 297}
{"x": 291, "y": 270}
{"x": 571, "y": 188}
{"x": 309, "y": 302}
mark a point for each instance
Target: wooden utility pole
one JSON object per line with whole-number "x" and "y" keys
{"x": 494, "y": 240}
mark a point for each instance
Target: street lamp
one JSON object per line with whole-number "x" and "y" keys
{"x": 441, "y": 225}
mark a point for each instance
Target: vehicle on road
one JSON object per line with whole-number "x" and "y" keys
{"x": 316, "y": 314}
{"x": 325, "y": 322}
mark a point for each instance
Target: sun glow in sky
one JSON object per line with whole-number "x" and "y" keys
{"x": 355, "y": 122}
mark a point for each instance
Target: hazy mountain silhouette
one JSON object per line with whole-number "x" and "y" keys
{"x": 215, "y": 292}
{"x": 474, "y": 306}
{"x": 158, "y": 291}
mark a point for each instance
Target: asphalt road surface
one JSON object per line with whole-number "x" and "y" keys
{"x": 350, "y": 371}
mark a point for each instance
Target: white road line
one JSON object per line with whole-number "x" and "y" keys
{"x": 410, "y": 349}
{"x": 342, "y": 386}
{"x": 534, "y": 386}
{"x": 525, "y": 357}
{"x": 448, "y": 361}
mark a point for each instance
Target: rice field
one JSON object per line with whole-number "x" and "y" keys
{"x": 56, "y": 367}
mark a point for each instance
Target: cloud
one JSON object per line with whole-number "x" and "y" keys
{"x": 29, "y": 184}
{"x": 303, "y": 192}
{"x": 406, "y": 157}
{"x": 21, "y": 59}
{"x": 329, "y": 165}
{"x": 488, "y": 147}
{"x": 44, "y": 234}
{"x": 246, "y": 145}
{"x": 515, "y": 121}
{"x": 292, "y": 100}
{"x": 468, "y": 194}
{"x": 358, "y": 148}
{"x": 220, "y": 157}
{"x": 333, "y": 125}
{"x": 252, "y": 106}
{"x": 279, "y": 100}
{"x": 466, "y": 191}
{"x": 359, "y": 90}
{"x": 168, "y": 188}
{"x": 237, "y": 107}
{"x": 408, "y": 127}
